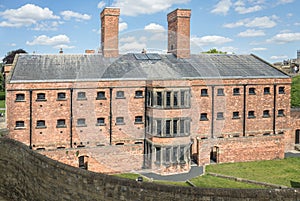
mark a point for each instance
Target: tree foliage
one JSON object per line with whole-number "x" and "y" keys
{"x": 9, "y": 58}
{"x": 295, "y": 91}
{"x": 214, "y": 51}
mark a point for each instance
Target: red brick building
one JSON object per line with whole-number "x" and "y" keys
{"x": 116, "y": 113}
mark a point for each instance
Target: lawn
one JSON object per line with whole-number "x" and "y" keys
{"x": 282, "y": 172}
{"x": 295, "y": 92}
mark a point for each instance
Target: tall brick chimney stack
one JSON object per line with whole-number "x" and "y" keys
{"x": 110, "y": 32}
{"x": 179, "y": 33}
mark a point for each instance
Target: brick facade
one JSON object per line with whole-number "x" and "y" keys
{"x": 153, "y": 123}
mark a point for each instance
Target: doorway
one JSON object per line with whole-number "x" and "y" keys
{"x": 297, "y": 136}
{"x": 214, "y": 154}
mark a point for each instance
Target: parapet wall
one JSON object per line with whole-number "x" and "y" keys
{"x": 28, "y": 175}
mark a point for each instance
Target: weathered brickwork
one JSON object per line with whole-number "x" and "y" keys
{"x": 170, "y": 120}
{"x": 28, "y": 175}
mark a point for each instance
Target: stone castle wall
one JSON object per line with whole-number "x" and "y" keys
{"x": 27, "y": 175}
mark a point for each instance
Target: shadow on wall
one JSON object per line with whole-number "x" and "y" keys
{"x": 28, "y": 175}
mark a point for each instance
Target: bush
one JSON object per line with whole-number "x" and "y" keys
{"x": 2, "y": 95}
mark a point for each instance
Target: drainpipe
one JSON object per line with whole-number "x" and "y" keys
{"x": 145, "y": 124}
{"x": 110, "y": 115}
{"x": 244, "y": 111}
{"x": 274, "y": 109}
{"x": 212, "y": 110}
{"x": 71, "y": 117}
{"x": 30, "y": 119}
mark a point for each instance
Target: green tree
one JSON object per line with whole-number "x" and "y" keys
{"x": 9, "y": 58}
{"x": 214, "y": 51}
{"x": 295, "y": 92}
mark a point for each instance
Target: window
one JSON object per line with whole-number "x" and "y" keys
{"x": 149, "y": 98}
{"x": 204, "y": 92}
{"x": 168, "y": 155}
{"x": 61, "y": 123}
{"x": 159, "y": 98}
{"x": 220, "y": 92}
{"x": 175, "y": 154}
{"x": 20, "y": 97}
{"x": 175, "y": 99}
{"x": 220, "y": 115}
{"x": 81, "y": 96}
{"x": 168, "y": 127}
{"x": 175, "y": 127}
{"x": 251, "y": 114}
{"x": 236, "y": 91}
{"x": 120, "y": 94}
{"x": 138, "y": 94}
{"x": 138, "y": 120}
{"x": 100, "y": 95}
{"x": 203, "y": 117}
{"x": 168, "y": 99}
{"x": 267, "y": 90}
{"x": 158, "y": 127}
{"x": 61, "y": 96}
{"x": 81, "y": 122}
{"x": 266, "y": 113}
{"x": 119, "y": 120}
{"x": 280, "y": 113}
{"x": 281, "y": 90}
{"x": 40, "y": 124}
{"x": 181, "y": 154}
{"x": 100, "y": 121}
{"x": 41, "y": 97}
{"x": 157, "y": 150}
{"x": 182, "y": 98}
{"x": 20, "y": 124}
{"x": 235, "y": 115}
{"x": 181, "y": 129}
{"x": 252, "y": 91}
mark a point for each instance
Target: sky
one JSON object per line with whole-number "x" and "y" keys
{"x": 269, "y": 29}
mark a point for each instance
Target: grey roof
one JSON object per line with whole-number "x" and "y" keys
{"x": 94, "y": 67}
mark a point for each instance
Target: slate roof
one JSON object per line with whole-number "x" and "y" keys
{"x": 131, "y": 66}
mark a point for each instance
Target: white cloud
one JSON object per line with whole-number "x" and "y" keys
{"x": 251, "y": 33}
{"x": 13, "y": 44}
{"x": 154, "y": 27}
{"x": 132, "y": 47}
{"x": 63, "y": 46}
{"x": 297, "y": 23}
{"x": 123, "y": 26}
{"x": 101, "y": 4}
{"x": 261, "y": 22}
{"x": 280, "y": 57}
{"x": 54, "y": 41}
{"x": 283, "y": 38}
{"x": 26, "y": 15}
{"x": 134, "y": 8}
{"x": 210, "y": 40}
{"x": 222, "y": 7}
{"x": 68, "y": 14}
{"x": 244, "y": 10}
{"x": 285, "y": 1}
{"x": 259, "y": 49}
{"x": 229, "y": 49}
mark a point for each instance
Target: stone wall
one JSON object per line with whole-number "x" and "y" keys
{"x": 27, "y": 175}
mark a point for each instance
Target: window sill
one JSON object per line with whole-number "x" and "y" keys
{"x": 20, "y": 128}
{"x": 120, "y": 97}
{"x": 61, "y": 99}
{"x": 220, "y": 94}
{"x": 61, "y": 126}
{"x": 41, "y": 100}
{"x": 203, "y": 119}
{"x": 220, "y": 118}
{"x": 236, "y": 117}
{"x": 98, "y": 98}
{"x": 41, "y": 127}
{"x": 252, "y": 117}
{"x": 83, "y": 125}
{"x": 236, "y": 94}
{"x": 100, "y": 124}
{"x": 81, "y": 99}
{"x": 138, "y": 122}
{"x": 138, "y": 97}
{"x": 266, "y": 116}
{"x": 267, "y": 93}
{"x": 20, "y": 101}
{"x": 280, "y": 115}
{"x": 204, "y": 95}
{"x": 252, "y": 93}
{"x": 120, "y": 124}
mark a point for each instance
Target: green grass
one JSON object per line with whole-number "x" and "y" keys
{"x": 295, "y": 92}
{"x": 207, "y": 181}
{"x": 281, "y": 172}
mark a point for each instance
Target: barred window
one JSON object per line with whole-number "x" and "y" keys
{"x": 20, "y": 97}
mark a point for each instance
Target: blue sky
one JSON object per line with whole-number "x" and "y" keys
{"x": 267, "y": 28}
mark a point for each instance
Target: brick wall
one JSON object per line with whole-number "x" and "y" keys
{"x": 31, "y": 176}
